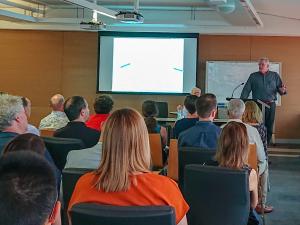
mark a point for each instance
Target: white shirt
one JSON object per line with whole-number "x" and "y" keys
{"x": 32, "y": 130}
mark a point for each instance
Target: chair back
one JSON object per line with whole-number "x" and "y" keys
{"x": 192, "y": 155}
{"x": 163, "y": 111}
{"x": 47, "y": 132}
{"x": 156, "y": 150}
{"x": 173, "y": 160}
{"x": 60, "y": 147}
{"x": 96, "y": 214}
{"x": 216, "y": 195}
{"x": 252, "y": 157}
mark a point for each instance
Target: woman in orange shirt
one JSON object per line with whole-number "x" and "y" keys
{"x": 123, "y": 177}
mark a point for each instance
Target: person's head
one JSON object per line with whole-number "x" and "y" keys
{"x": 12, "y": 114}
{"x": 125, "y": 151}
{"x": 151, "y": 124}
{"x": 76, "y": 108}
{"x": 206, "y": 106}
{"x": 149, "y": 108}
{"x": 263, "y": 64}
{"x": 196, "y": 91}
{"x": 28, "y": 141}
{"x": 103, "y": 104}
{"x": 252, "y": 113}
{"x": 190, "y": 103}
{"x": 28, "y": 190}
{"x": 57, "y": 102}
{"x": 27, "y": 106}
{"x": 233, "y": 144}
{"x": 236, "y": 108}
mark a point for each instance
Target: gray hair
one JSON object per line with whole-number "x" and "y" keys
{"x": 265, "y": 59}
{"x": 236, "y": 108}
{"x": 10, "y": 107}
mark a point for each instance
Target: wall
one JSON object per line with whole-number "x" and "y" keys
{"x": 38, "y": 64}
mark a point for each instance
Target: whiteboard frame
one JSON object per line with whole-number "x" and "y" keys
{"x": 278, "y": 101}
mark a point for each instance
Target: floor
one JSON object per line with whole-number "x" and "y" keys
{"x": 285, "y": 186}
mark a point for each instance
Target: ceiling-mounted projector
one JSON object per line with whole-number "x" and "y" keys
{"x": 92, "y": 25}
{"x": 130, "y": 17}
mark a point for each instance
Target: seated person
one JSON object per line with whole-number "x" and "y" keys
{"x": 27, "y": 107}
{"x": 57, "y": 118}
{"x": 233, "y": 153}
{"x": 28, "y": 190}
{"x": 150, "y": 111}
{"x": 191, "y": 118}
{"x": 77, "y": 111}
{"x": 123, "y": 177}
{"x": 103, "y": 105}
{"x": 205, "y": 133}
{"x": 181, "y": 110}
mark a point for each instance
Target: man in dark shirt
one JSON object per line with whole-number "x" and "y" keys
{"x": 205, "y": 133}
{"x": 265, "y": 85}
{"x": 77, "y": 111}
{"x": 192, "y": 116}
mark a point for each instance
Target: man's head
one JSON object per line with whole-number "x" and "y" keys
{"x": 196, "y": 91}
{"x": 206, "y": 106}
{"x": 27, "y": 106}
{"x": 12, "y": 114}
{"x": 236, "y": 108}
{"x": 190, "y": 103}
{"x": 76, "y": 109}
{"x": 57, "y": 102}
{"x": 103, "y": 104}
{"x": 28, "y": 190}
{"x": 263, "y": 65}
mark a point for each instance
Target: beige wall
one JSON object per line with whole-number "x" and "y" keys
{"x": 38, "y": 64}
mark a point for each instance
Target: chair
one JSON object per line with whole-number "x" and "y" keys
{"x": 173, "y": 160}
{"x": 252, "y": 157}
{"x": 70, "y": 177}
{"x": 156, "y": 150}
{"x": 216, "y": 195}
{"x": 163, "y": 111}
{"x": 96, "y": 214}
{"x": 192, "y": 155}
{"x": 60, "y": 147}
{"x": 47, "y": 132}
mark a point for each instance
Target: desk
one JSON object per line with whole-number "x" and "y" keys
{"x": 218, "y": 122}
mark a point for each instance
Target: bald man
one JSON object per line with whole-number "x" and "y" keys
{"x": 57, "y": 118}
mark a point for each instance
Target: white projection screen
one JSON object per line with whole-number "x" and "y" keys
{"x": 147, "y": 63}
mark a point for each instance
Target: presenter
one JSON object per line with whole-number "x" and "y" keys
{"x": 264, "y": 85}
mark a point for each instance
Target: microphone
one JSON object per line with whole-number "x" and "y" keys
{"x": 241, "y": 84}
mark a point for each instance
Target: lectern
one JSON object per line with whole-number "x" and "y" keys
{"x": 260, "y": 104}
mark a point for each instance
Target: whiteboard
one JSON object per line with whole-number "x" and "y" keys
{"x": 223, "y": 76}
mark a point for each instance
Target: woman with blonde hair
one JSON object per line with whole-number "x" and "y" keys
{"x": 123, "y": 177}
{"x": 232, "y": 152}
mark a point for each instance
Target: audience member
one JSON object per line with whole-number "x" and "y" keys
{"x": 103, "y": 105}
{"x": 236, "y": 108}
{"x": 123, "y": 177}
{"x": 233, "y": 153}
{"x": 57, "y": 118}
{"x": 150, "y": 111}
{"x": 77, "y": 111}
{"x": 205, "y": 133}
{"x": 181, "y": 110}
{"x": 27, "y": 190}
{"x": 13, "y": 119}
{"x": 191, "y": 118}
{"x": 27, "y": 107}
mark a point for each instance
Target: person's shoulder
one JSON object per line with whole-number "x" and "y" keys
{"x": 160, "y": 180}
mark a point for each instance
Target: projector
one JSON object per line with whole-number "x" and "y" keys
{"x": 92, "y": 25}
{"x": 130, "y": 17}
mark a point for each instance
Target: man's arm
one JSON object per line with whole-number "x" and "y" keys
{"x": 247, "y": 89}
{"x": 281, "y": 88}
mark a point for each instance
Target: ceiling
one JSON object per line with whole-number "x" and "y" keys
{"x": 254, "y": 17}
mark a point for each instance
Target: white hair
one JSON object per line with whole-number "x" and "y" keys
{"x": 265, "y": 59}
{"x": 236, "y": 108}
{"x": 10, "y": 107}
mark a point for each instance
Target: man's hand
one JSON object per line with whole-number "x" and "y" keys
{"x": 283, "y": 89}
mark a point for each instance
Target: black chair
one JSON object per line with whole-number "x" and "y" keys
{"x": 70, "y": 177}
{"x": 192, "y": 155}
{"x": 96, "y": 214}
{"x": 60, "y": 147}
{"x": 163, "y": 111}
{"x": 216, "y": 195}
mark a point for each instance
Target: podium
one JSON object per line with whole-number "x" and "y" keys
{"x": 260, "y": 104}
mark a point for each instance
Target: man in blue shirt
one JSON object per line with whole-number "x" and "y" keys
{"x": 205, "y": 133}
